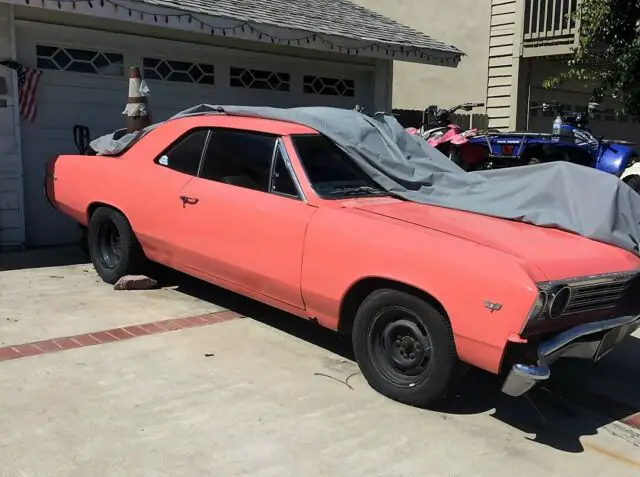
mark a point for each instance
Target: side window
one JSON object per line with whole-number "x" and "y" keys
{"x": 239, "y": 158}
{"x": 282, "y": 182}
{"x": 184, "y": 156}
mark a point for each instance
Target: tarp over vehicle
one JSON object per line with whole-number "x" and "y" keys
{"x": 562, "y": 195}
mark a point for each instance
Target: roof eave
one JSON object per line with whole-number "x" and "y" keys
{"x": 234, "y": 28}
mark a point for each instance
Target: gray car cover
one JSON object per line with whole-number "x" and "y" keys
{"x": 562, "y": 195}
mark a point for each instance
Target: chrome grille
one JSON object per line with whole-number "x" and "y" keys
{"x": 599, "y": 293}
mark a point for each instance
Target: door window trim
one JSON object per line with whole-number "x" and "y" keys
{"x": 178, "y": 140}
{"x": 279, "y": 146}
{"x": 211, "y": 130}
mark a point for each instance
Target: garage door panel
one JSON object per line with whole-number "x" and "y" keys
{"x": 60, "y": 117}
{"x": 88, "y": 86}
{"x": 41, "y": 216}
{"x": 167, "y": 98}
{"x": 61, "y": 78}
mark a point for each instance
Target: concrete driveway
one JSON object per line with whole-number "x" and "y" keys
{"x": 194, "y": 390}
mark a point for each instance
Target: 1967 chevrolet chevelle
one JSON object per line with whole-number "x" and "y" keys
{"x": 279, "y": 213}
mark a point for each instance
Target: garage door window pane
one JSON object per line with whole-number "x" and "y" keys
{"x": 178, "y": 71}
{"x": 326, "y": 86}
{"x": 239, "y": 158}
{"x": 81, "y": 67}
{"x": 184, "y": 156}
{"x": 79, "y": 60}
{"x": 259, "y": 79}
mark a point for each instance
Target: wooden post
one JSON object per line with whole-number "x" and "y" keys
{"x": 137, "y": 109}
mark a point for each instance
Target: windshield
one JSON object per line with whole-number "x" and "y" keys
{"x": 332, "y": 174}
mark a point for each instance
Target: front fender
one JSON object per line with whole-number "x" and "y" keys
{"x": 616, "y": 158}
{"x": 343, "y": 246}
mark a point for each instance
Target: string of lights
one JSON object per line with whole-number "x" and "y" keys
{"x": 245, "y": 27}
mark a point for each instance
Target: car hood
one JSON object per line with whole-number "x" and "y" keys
{"x": 546, "y": 253}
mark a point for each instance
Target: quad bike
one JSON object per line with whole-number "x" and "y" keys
{"x": 439, "y": 130}
{"x": 570, "y": 140}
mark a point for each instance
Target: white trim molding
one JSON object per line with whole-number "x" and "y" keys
{"x": 12, "y": 216}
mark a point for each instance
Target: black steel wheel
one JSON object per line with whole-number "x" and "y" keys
{"x": 109, "y": 244}
{"x": 399, "y": 346}
{"x": 404, "y": 347}
{"x": 113, "y": 247}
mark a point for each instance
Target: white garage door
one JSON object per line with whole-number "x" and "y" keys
{"x": 85, "y": 83}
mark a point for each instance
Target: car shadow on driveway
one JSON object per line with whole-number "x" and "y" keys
{"x": 43, "y": 257}
{"x": 543, "y": 414}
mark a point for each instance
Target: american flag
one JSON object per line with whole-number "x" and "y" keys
{"x": 28, "y": 79}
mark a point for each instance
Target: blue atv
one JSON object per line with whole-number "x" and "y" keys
{"x": 571, "y": 140}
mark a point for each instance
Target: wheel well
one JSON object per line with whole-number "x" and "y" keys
{"x": 95, "y": 205}
{"x": 360, "y": 290}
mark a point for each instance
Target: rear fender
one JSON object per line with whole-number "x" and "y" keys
{"x": 75, "y": 182}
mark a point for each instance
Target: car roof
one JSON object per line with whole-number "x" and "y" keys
{"x": 271, "y": 126}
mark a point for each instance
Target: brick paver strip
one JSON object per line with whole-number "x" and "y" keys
{"x": 54, "y": 345}
{"x": 632, "y": 421}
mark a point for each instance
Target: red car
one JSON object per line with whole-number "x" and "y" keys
{"x": 277, "y": 212}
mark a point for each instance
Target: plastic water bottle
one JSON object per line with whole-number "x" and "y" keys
{"x": 557, "y": 126}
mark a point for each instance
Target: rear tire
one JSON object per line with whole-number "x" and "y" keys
{"x": 404, "y": 347}
{"x": 455, "y": 156}
{"x": 633, "y": 181}
{"x": 114, "y": 249}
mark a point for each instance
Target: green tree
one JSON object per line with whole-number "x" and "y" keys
{"x": 607, "y": 54}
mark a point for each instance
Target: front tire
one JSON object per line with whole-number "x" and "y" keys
{"x": 113, "y": 247}
{"x": 404, "y": 347}
{"x": 633, "y": 181}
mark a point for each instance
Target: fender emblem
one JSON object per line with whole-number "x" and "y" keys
{"x": 492, "y": 306}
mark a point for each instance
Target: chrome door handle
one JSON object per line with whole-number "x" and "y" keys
{"x": 188, "y": 200}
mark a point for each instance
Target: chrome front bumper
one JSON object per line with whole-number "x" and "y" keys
{"x": 590, "y": 341}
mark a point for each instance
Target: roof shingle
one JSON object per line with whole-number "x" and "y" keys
{"x": 340, "y": 18}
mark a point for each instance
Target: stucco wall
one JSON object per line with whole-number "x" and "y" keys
{"x": 11, "y": 204}
{"x": 462, "y": 23}
{"x": 576, "y": 95}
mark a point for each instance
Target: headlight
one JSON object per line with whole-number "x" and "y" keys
{"x": 550, "y": 303}
{"x": 559, "y": 301}
{"x": 537, "y": 311}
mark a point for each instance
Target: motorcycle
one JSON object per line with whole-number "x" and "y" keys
{"x": 570, "y": 140}
{"x": 360, "y": 109}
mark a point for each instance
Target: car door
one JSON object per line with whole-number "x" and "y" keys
{"x": 246, "y": 217}
{"x": 158, "y": 205}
